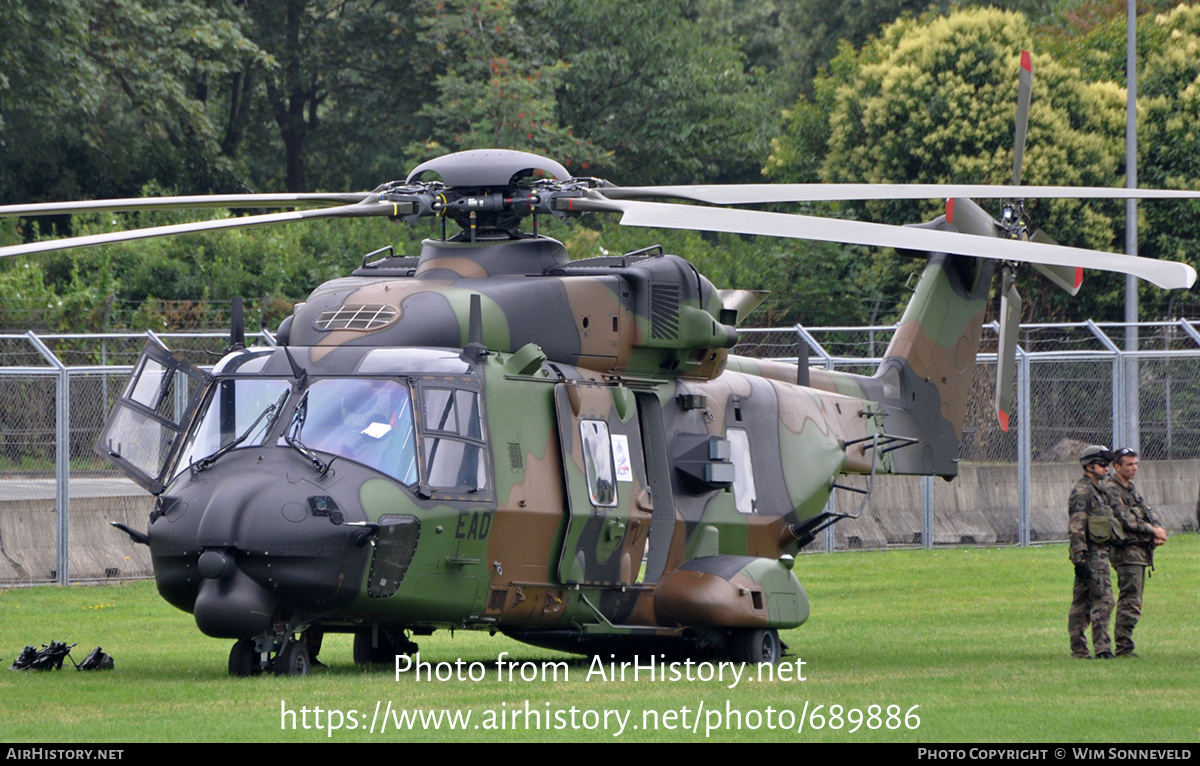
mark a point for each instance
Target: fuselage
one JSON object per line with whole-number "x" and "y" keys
{"x": 488, "y": 492}
{"x": 490, "y": 436}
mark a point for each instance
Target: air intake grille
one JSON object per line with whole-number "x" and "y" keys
{"x": 664, "y": 310}
{"x": 356, "y": 318}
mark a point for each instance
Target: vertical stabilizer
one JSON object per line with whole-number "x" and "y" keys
{"x": 926, "y": 376}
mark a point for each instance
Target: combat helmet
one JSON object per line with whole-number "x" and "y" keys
{"x": 1095, "y": 453}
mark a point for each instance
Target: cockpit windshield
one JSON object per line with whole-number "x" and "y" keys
{"x": 238, "y": 413}
{"x": 369, "y": 421}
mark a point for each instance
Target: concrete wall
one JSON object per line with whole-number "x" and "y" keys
{"x": 977, "y": 508}
{"x": 980, "y": 506}
{"x": 97, "y": 551}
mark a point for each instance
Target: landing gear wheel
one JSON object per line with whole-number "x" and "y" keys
{"x": 243, "y": 659}
{"x": 365, "y": 654}
{"x": 293, "y": 660}
{"x": 756, "y": 645}
{"x": 386, "y": 651}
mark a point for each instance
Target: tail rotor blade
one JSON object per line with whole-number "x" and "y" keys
{"x": 969, "y": 218}
{"x": 1010, "y": 325}
{"x": 1068, "y": 278}
{"x": 1024, "y": 92}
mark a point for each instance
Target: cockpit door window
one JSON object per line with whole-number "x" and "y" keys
{"x": 142, "y": 434}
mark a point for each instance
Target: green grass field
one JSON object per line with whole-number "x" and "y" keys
{"x": 975, "y": 636}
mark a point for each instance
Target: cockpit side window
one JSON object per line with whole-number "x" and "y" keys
{"x": 143, "y": 435}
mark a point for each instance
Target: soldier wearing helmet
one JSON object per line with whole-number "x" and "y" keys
{"x": 1143, "y": 532}
{"x": 1092, "y": 528}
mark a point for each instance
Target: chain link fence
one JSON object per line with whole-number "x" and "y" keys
{"x": 1074, "y": 387}
{"x": 57, "y": 496}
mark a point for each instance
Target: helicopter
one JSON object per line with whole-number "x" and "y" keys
{"x": 492, "y": 436}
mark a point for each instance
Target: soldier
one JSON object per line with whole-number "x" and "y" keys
{"x": 1143, "y": 532}
{"x": 1092, "y": 528}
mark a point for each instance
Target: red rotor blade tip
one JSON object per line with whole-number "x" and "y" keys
{"x": 1003, "y": 416}
{"x": 1078, "y": 276}
{"x": 1026, "y": 62}
{"x": 950, "y": 210}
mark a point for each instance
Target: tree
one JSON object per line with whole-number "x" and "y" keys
{"x": 934, "y": 101}
{"x": 1169, "y": 140}
{"x": 297, "y": 34}
{"x": 497, "y": 87}
{"x": 649, "y": 82}
{"x": 100, "y": 96}
{"x": 1092, "y": 35}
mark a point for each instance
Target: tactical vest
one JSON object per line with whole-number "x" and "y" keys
{"x": 1102, "y": 527}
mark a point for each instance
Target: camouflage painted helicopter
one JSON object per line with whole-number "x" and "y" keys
{"x": 491, "y": 436}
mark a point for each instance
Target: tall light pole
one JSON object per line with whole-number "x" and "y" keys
{"x": 1132, "y": 434}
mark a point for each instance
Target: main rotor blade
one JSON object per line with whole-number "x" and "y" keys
{"x": 366, "y": 209}
{"x": 131, "y": 204}
{"x": 1024, "y": 91}
{"x": 1166, "y": 274}
{"x": 1010, "y": 325}
{"x": 754, "y": 194}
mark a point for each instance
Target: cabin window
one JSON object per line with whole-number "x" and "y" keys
{"x": 452, "y": 443}
{"x": 743, "y": 471}
{"x": 598, "y": 462}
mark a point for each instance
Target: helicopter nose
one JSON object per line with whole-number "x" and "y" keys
{"x": 242, "y": 548}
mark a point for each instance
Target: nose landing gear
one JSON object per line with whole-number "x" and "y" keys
{"x": 267, "y": 654}
{"x": 293, "y": 660}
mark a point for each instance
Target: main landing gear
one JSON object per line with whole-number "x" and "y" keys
{"x": 756, "y": 645}
{"x": 375, "y": 646}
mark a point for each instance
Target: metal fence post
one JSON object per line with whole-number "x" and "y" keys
{"x": 1131, "y": 394}
{"x": 1024, "y": 445}
{"x": 927, "y": 512}
{"x": 62, "y": 455}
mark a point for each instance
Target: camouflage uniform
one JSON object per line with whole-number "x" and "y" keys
{"x": 1092, "y": 599}
{"x": 1132, "y": 558}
